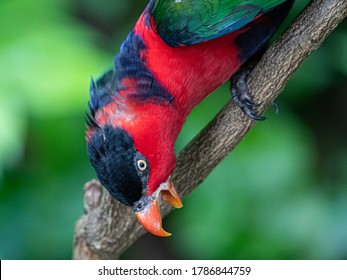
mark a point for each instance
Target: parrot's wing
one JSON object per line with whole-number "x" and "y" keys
{"x": 189, "y": 22}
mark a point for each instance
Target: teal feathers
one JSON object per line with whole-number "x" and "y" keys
{"x": 188, "y": 22}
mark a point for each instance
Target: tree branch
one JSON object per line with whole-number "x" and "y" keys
{"x": 108, "y": 228}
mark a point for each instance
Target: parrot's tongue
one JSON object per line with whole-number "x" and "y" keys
{"x": 150, "y": 217}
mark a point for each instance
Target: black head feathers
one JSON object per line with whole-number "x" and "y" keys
{"x": 111, "y": 152}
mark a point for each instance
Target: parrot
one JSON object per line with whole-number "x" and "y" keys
{"x": 178, "y": 52}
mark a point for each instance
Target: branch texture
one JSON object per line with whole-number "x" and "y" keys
{"x": 108, "y": 228}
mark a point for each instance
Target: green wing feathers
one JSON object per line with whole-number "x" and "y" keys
{"x": 188, "y": 22}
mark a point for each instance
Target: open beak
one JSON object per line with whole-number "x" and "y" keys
{"x": 171, "y": 196}
{"x": 150, "y": 217}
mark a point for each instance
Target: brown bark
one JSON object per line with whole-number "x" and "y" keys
{"x": 108, "y": 228}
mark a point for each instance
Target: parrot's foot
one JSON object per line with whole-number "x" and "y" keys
{"x": 240, "y": 95}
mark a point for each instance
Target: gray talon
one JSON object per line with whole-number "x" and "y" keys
{"x": 240, "y": 95}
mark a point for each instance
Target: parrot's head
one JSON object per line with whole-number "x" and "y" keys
{"x": 131, "y": 177}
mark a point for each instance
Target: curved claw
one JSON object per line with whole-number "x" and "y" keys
{"x": 247, "y": 107}
{"x": 240, "y": 95}
{"x": 253, "y": 115}
{"x": 250, "y": 104}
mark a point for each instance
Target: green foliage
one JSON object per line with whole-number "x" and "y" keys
{"x": 282, "y": 194}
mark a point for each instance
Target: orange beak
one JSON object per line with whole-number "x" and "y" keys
{"x": 150, "y": 217}
{"x": 171, "y": 196}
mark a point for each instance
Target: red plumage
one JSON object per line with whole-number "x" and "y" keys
{"x": 189, "y": 74}
{"x": 139, "y": 108}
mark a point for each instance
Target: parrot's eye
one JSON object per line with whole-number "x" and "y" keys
{"x": 140, "y": 206}
{"x": 142, "y": 165}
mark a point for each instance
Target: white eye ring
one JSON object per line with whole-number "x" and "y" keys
{"x": 142, "y": 165}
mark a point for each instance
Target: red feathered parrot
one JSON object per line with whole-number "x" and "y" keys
{"x": 178, "y": 52}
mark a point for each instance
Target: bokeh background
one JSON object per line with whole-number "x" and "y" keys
{"x": 282, "y": 194}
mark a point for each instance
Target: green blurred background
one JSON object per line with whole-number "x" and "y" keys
{"x": 282, "y": 194}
